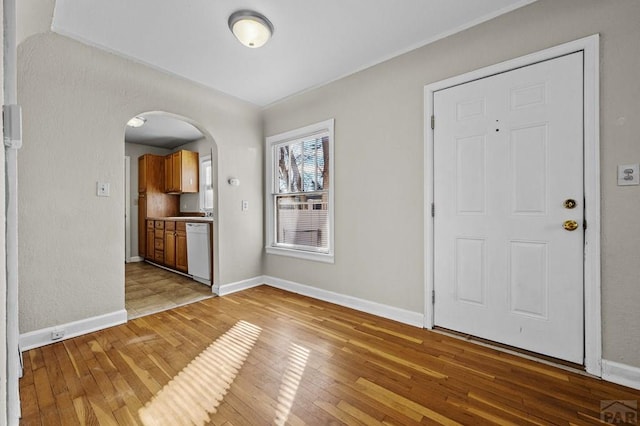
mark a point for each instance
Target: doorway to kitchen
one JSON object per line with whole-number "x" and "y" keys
{"x": 158, "y": 278}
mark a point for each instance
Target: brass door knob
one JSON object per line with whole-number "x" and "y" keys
{"x": 570, "y": 225}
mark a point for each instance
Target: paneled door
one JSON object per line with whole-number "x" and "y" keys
{"x": 509, "y": 213}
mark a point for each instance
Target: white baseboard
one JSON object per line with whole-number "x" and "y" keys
{"x": 622, "y": 374}
{"x": 135, "y": 259}
{"x": 224, "y": 289}
{"x": 42, "y": 337}
{"x": 401, "y": 315}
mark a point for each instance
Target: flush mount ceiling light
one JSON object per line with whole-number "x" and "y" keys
{"x": 136, "y": 122}
{"x": 250, "y": 28}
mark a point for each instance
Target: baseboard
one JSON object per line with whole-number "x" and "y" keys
{"x": 385, "y": 311}
{"x": 622, "y": 374}
{"x": 224, "y": 289}
{"x": 42, "y": 337}
{"x": 135, "y": 259}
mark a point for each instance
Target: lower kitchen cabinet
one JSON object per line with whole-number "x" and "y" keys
{"x": 158, "y": 241}
{"x": 181, "y": 247}
{"x": 150, "y": 240}
{"x": 170, "y": 244}
{"x": 167, "y": 244}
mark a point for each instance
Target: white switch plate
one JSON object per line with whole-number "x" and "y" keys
{"x": 628, "y": 174}
{"x": 245, "y": 205}
{"x": 102, "y": 189}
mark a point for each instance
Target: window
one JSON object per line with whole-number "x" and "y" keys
{"x": 206, "y": 184}
{"x": 300, "y": 192}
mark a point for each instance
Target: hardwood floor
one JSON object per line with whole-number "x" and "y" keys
{"x": 149, "y": 289}
{"x": 265, "y": 356}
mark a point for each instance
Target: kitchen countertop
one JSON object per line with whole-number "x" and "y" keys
{"x": 184, "y": 218}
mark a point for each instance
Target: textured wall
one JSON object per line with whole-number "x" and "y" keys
{"x": 379, "y": 157}
{"x": 76, "y": 101}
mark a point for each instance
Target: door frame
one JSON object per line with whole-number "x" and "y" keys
{"x": 592, "y": 297}
{"x": 127, "y": 209}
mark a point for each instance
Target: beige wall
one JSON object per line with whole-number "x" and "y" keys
{"x": 379, "y": 157}
{"x": 76, "y": 101}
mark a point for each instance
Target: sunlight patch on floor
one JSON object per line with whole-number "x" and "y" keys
{"x": 290, "y": 381}
{"x": 199, "y": 388}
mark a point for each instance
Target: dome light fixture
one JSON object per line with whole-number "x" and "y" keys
{"x": 250, "y": 28}
{"x": 136, "y": 122}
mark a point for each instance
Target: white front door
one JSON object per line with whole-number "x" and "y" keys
{"x": 508, "y": 176}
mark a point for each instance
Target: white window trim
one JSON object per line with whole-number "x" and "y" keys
{"x": 324, "y": 126}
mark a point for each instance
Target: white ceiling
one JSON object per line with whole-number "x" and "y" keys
{"x": 163, "y": 131}
{"x": 314, "y": 42}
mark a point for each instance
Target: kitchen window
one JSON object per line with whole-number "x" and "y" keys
{"x": 300, "y": 193}
{"x": 206, "y": 184}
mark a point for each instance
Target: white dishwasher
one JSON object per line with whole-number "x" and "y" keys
{"x": 199, "y": 252}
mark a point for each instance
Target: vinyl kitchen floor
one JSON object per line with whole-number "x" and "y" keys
{"x": 149, "y": 289}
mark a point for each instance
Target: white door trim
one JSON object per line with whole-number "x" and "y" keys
{"x": 127, "y": 209}
{"x": 590, "y": 47}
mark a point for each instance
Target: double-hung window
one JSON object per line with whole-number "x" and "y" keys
{"x": 300, "y": 192}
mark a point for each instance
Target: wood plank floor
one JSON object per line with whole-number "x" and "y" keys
{"x": 265, "y": 356}
{"x": 149, "y": 289}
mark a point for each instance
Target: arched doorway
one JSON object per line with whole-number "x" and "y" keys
{"x": 151, "y": 284}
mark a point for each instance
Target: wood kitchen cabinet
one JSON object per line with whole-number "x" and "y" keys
{"x": 181, "y": 247}
{"x": 150, "y": 173}
{"x": 170, "y": 244}
{"x": 142, "y": 221}
{"x": 149, "y": 240}
{"x": 158, "y": 241}
{"x": 181, "y": 172}
{"x": 152, "y": 201}
{"x": 167, "y": 241}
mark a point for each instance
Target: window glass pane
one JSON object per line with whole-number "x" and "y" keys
{"x": 283, "y": 163}
{"x": 302, "y": 221}
{"x": 206, "y": 188}
{"x": 207, "y": 174}
{"x": 303, "y": 165}
{"x": 323, "y": 163}
{"x": 309, "y": 165}
{"x": 297, "y": 160}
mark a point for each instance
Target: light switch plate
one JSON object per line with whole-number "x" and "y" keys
{"x": 102, "y": 189}
{"x": 628, "y": 174}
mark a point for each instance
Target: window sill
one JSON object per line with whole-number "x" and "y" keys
{"x": 300, "y": 254}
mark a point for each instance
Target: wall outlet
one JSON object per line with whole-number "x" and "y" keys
{"x": 57, "y": 334}
{"x": 245, "y": 205}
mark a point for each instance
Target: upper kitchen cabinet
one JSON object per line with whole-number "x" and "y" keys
{"x": 150, "y": 173}
{"x": 181, "y": 172}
